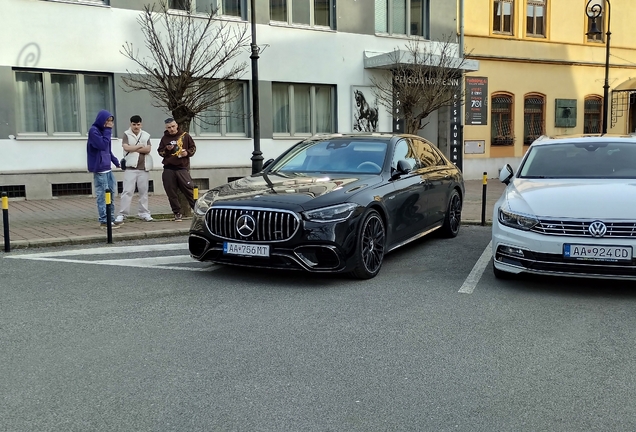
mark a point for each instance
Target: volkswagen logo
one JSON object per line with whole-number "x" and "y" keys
{"x": 246, "y": 225}
{"x": 597, "y": 229}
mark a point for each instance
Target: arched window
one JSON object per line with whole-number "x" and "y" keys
{"x": 592, "y": 108}
{"x": 502, "y": 129}
{"x": 533, "y": 117}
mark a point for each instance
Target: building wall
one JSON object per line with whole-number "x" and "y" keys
{"x": 86, "y": 38}
{"x": 563, "y": 65}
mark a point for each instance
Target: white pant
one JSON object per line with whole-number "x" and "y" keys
{"x": 132, "y": 178}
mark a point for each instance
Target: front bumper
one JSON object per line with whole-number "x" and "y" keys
{"x": 517, "y": 251}
{"x": 319, "y": 248}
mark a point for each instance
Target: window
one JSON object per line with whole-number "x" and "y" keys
{"x": 423, "y": 154}
{"x": 402, "y": 17}
{"x": 230, "y": 118}
{"x": 303, "y": 109}
{"x": 593, "y": 108}
{"x": 403, "y": 151}
{"x": 60, "y": 102}
{"x": 535, "y": 18}
{"x": 600, "y": 25}
{"x": 222, "y": 7}
{"x": 315, "y": 13}
{"x": 533, "y": 115}
{"x": 503, "y": 16}
{"x": 502, "y": 126}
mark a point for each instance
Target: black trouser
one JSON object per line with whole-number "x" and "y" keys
{"x": 174, "y": 180}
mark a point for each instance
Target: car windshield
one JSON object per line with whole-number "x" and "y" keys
{"x": 340, "y": 155}
{"x": 581, "y": 160}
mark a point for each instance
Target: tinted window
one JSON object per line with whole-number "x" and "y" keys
{"x": 581, "y": 160}
{"x": 426, "y": 154}
{"x": 404, "y": 151}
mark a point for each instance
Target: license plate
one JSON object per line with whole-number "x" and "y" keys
{"x": 597, "y": 253}
{"x": 245, "y": 249}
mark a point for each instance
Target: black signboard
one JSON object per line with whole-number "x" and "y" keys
{"x": 398, "y": 123}
{"x": 476, "y": 101}
{"x": 456, "y": 135}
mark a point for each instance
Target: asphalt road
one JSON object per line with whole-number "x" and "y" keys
{"x": 124, "y": 340}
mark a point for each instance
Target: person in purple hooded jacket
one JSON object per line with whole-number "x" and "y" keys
{"x": 100, "y": 157}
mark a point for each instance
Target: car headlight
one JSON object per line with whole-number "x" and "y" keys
{"x": 516, "y": 220}
{"x": 335, "y": 213}
{"x": 201, "y": 206}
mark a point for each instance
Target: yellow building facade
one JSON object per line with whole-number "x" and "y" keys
{"x": 544, "y": 74}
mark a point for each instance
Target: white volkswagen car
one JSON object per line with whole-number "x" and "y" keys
{"x": 570, "y": 210}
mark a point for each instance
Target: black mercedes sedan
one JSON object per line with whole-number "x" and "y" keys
{"x": 331, "y": 203}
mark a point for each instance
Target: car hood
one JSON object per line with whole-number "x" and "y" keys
{"x": 575, "y": 199}
{"x": 290, "y": 190}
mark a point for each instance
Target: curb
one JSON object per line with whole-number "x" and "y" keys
{"x": 79, "y": 240}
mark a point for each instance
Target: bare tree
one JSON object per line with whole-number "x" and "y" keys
{"x": 191, "y": 63}
{"x": 424, "y": 77}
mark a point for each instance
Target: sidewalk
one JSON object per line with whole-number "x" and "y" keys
{"x": 74, "y": 220}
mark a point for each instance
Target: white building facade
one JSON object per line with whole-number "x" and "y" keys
{"x": 61, "y": 63}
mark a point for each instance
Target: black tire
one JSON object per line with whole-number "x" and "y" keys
{"x": 370, "y": 244}
{"x": 500, "y": 274}
{"x": 453, "y": 217}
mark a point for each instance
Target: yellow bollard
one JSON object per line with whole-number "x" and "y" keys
{"x": 5, "y": 221}
{"x": 195, "y": 193}
{"x": 108, "y": 197}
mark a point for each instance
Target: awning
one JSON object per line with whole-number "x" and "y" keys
{"x": 375, "y": 60}
{"x": 629, "y": 85}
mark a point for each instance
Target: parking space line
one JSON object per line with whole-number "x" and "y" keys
{"x": 475, "y": 274}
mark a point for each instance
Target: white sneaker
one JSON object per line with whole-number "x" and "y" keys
{"x": 147, "y": 218}
{"x": 119, "y": 219}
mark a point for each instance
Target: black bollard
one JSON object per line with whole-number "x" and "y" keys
{"x": 5, "y": 221}
{"x": 483, "y": 198}
{"x": 109, "y": 219}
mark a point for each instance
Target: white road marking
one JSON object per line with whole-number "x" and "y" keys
{"x": 106, "y": 250}
{"x": 142, "y": 262}
{"x": 475, "y": 274}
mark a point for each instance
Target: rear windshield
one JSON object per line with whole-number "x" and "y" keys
{"x": 581, "y": 160}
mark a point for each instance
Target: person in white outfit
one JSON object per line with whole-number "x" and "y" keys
{"x": 136, "y": 145}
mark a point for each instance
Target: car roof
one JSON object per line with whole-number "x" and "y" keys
{"x": 386, "y": 135}
{"x": 583, "y": 138}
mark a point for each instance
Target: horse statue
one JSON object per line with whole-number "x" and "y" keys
{"x": 366, "y": 116}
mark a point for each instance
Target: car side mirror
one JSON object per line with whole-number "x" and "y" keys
{"x": 267, "y": 163}
{"x": 403, "y": 167}
{"x": 506, "y": 174}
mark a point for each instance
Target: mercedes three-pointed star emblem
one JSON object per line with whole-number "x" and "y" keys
{"x": 245, "y": 225}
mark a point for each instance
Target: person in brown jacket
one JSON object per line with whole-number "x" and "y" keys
{"x": 176, "y": 148}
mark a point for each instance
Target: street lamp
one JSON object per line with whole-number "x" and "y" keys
{"x": 594, "y": 12}
{"x": 257, "y": 155}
